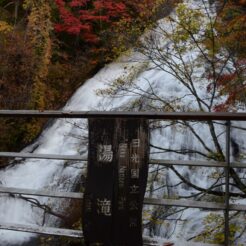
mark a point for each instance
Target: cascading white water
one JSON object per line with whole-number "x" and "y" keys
{"x": 63, "y": 137}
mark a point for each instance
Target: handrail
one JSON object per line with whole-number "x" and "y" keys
{"x": 46, "y": 193}
{"x": 161, "y": 162}
{"x": 42, "y": 230}
{"x": 197, "y": 116}
{"x": 147, "y": 201}
{"x": 42, "y": 156}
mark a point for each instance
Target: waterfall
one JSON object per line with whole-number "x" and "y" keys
{"x": 64, "y": 137}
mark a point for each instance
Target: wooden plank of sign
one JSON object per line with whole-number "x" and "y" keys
{"x": 42, "y": 230}
{"x": 47, "y": 193}
{"x": 97, "y": 207}
{"x": 132, "y": 139}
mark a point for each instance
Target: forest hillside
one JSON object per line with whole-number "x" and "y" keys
{"x": 49, "y": 48}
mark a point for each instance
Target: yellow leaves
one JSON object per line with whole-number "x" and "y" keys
{"x": 127, "y": 34}
{"x": 214, "y": 229}
{"x": 124, "y": 82}
{"x": 215, "y": 175}
{"x": 216, "y": 156}
{"x": 27, "y": 4}
{"x": 188, "y": 23}
{"x": 129, "y": 30}
{"x": 188, "y": 17}
{"x": 39, "y": 28}
{"x": 38, "y": 100}
{"x": 5, "y": 27}
{"x": 147, "y": 215}
{"x": 32, "y": 129}
{"x": 31, "y": 3}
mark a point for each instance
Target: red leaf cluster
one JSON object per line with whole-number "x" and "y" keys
{"x": 82, "y": 17}
{"x": 233, "y": 86}
{"x": 226, "y": 79}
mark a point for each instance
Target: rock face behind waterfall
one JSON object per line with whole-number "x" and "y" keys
{"x": 170, "y": 140}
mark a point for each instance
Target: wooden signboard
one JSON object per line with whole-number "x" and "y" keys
{"x": 116, "y": 182}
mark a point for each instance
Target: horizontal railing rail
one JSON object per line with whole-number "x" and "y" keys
{"x": 46, "y": 193}
{"x": 67, "y": 232}
{"x": 160, "y": 162}
{"x": 43, "y": 156}
{"x": 147, "y": 201}
{"x": 197, "y": 116}
{"x": 42, "y": 230}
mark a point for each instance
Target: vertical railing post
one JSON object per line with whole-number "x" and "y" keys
{"x": 227, "y": 184}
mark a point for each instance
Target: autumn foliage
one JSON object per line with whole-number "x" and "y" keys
{"x": 86, "y": 17}
{"x": 89, "y": 18}
{"x": 231, "y": 27}
{"x": 49, "y": 48}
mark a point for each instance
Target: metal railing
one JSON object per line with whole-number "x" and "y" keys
{"x": 226, "y": 206}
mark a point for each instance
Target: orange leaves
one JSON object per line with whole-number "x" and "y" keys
{"x": 232, "y": 27}
{"x": 234, "y": 87}
{"x": 242, "y": 2}
{"x": 231, "y": 30}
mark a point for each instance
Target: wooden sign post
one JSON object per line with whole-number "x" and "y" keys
{"x": 116, "y": 182}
